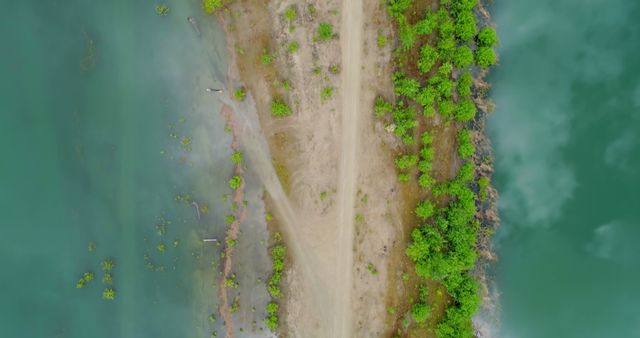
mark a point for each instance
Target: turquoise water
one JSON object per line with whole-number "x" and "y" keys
{"x": 97, "y": 98}
{"x": 565, "y": 134}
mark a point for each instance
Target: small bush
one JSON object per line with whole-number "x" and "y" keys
{"x": 239, "y": 94}
{"x": 235, "y": 182}
{"x": 210, "y": 6}
{"x": 237, "y": 157}
{"x": 466, "y": 110}
{"x": 291, "y": 13}
{"x": 406, "y": 161}
{"x": 326, "y": 93}
{"x": 487, "y": 37}
{"x": 381, "y": 40}
{"x": 325, "y": 32}
{"x": 280, "y": 109}
{"x": 485, "y": 57}
{"x": 425, "y": 209}
{"x": 382, "y": 107}
{"x": 465, "y": 147}
{"x": 266, "y": 58}
{"x": 463, "y": 57}
{"x": 293, "y": 47}
{"x": 465, "y": 82}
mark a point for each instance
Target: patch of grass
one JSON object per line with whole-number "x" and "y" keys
{"x": 279, "y": 108}
{"x": 211, "y": 6}
{"x": 293, "y": 46}
{"x": 237, "y": 157}
{"x": 326, "y": 93}
{"x": 381, "y": 40}
{"x": 325, "y": 32}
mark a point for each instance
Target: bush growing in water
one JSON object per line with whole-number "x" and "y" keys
{"x": 210, "y": 6}
{"x": 109, "y": 294}
{"x": 280, "y": 109}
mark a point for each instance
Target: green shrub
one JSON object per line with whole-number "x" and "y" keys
{"x": 446, "y": 108}
{"x": 426, "y": 138}
{"x": 326, "y": 93}
{"x": 325, "y": 32}
{"x": 382, "y": 107}
{"x": 466, "y": 110}
{"x": 407, "y": 36}
{"x": 427, "y": 25}
{"x": 465, "y": 82}
{"x": 396, "y": 8}
{"x": 291, "y": 13}
{"x": 487, "y": 37}
{"x": 485, "y": 57}
{"x": 239, "y": 94}
{"x": 463, "y": 57}
{"x": 107, "y": 279}
{"x": 237, "y": 157}
{"x": 428, "y": 58}
{"x": 280, "y": 109}
{"x": 381, "y": 40}
{"x": 425, "y": 209}
{"x": 266, "y": 58}
{"x": 293, "y": 47}
{"x": 465, "y": 146}
{"x": 235, "y": 182}
{"x": 425, "y": 181}
{"x": 465, "y": 26}
{"x": 420, "y": 312}
{"x": 210, "y": 6}
{"x": 406, "y": 161}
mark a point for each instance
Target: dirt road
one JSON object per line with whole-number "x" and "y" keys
{"x": 351, "y": 39}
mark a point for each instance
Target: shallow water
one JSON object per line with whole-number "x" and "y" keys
{"x": 97, "y": 98}
{"x": 565, "y": 134}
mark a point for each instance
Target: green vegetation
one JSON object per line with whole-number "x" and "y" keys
{"x": 211, "y": 6}
{"x": 291, "y": 13}
{"x": 266, "y": 58}
{"x": 92, "y": 246}
{"x": 326, "y": 93}
{"x": 235, "y": 182}
{"x": 293, "y": 47}
{"x": 108, "y": 265}
{"x": 381, "y": 41}
{"x": 162, "y": 9}
{"x": 272, "y": 316}
{"x": 237, "y": 157}
{"x": 437, "y": 51}
{"x": 86, "y": 278}
{"x": 278, "y": 252}
{"x": 279, "y": 108}
{"x": 325, "y": 32}
{"x": 107, "y": 279}
{"x": 239, "y": 94}
{"x": 372, "y": 269}
{"x": 161, "y": 247}
{"x": 109, "y": 294}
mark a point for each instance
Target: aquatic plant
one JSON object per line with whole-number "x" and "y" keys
{"x": 108, "y": 264}
{"x": 109, "y": 294}
{"x": 107, "y": 279}
{"x": 279, "y": 108}
{"x": 211, "y": 6}
{"x": 87, "y": 276}
{"x": 161, "y": 247}
{"x": 425, "y": 209}
{"x": 162, "y": 9}
{"x": 92, "y": 246}
{"x": 325, "y": 32}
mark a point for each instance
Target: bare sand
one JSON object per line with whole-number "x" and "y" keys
{"x": 330, "y": 177}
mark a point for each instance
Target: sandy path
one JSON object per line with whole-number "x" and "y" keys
{"x": 351, "y": 39}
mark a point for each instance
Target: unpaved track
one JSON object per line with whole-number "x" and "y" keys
{"x": 351, "y": 40}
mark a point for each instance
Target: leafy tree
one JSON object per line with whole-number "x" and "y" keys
{"x": 109, "y": 294}
{"x": 426, "y": 97}
{"x": 446, "y": 47}
{"x": 465, "y": 147}
{"x": 465, "y": 111}
{"x": 446, "y": 108}
{"x": 425, "y": 209}
{"x": 235, "y": 182}
{"x": 424, "y": 166}
{"x": 428, "y": 58}
{"x": 465, "y": 26}
{"x": 426, "y": 138}
{"x": 426, "y": 153}
{"x": 485, "y": 57}
{"x": 425, "y": 181}
{"x": 487, "y": 37}
{"x": 406, "y": 161}
{"x": 210, "y": 6}
{"x": 420, "y": 312}
{"x": 463, "y": 57}
{"x": 462, "y": 6}
{"x": 279, "y": 108}
{"x": 465, "y": 82}
{"x": 325, "y": 32}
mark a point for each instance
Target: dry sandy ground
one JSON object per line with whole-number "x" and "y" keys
{"x": 338, "y": 199}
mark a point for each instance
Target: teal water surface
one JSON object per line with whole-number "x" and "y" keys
{"x": 108, "y": 136}
{"x": 567, "y": 148}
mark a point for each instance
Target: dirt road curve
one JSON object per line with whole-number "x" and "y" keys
{"x": 351, "y": 39}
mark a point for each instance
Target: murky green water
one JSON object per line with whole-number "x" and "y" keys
{"x": 567, "y": 151}
{"x": 104, "y": 122}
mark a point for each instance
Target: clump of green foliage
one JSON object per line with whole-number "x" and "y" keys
{"x": 272, "y": 316}
{"x": 86, "y": 278}
{"x": 381, "y": 41}
{"x": 162, "y": 9}
{"x": 485, "y": 57}
{"x": 237, "y": 157}
{"x": 293, "y": 46}
{"x": 325, "y": 32}
{"x": 372, "y": 269}
{"x": 465, "y": 146}
{"x": 326, "y": 93}
{"x": 487, "y": 37}
{"x": 279, "y": 108}
{"x": 266, "y": 58}
{"x": 211, "y": 6}
{"x": 239, "y": 94}
{"x": 108, "y": 265}
{"x": 109, "y": 294}
{"x": 235, "y": 182}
